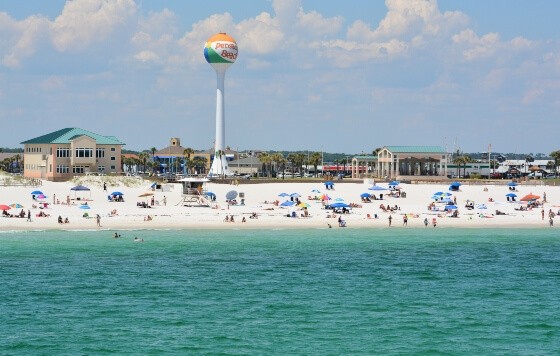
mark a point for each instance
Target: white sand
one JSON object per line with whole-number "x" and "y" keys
{"x": 173, "y": 216}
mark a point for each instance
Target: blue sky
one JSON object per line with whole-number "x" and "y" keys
{"x": 311, "y": 75}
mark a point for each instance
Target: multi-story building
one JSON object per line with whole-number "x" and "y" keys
{"x": 60, "y": 155}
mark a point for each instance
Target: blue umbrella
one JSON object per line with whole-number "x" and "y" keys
{"x": 512, "y": 184}
{"x": 36, "y": 192}
{"x": 394, "y": 182}
{"x": 443, "y": 194}
{"x": 328, "y": 182}
{"x": 365, "y": 195}
{"x": 339, "y": 205}
{"x": 84, "y": 207}
{"x": 458, "y": 184}
{"x": 210, "y": 194}
{"x": 513, "y": 195}
{"x": 117, "y": 193}
{"x": 447, "y": 200}
{"x": 295, "y": 195}
{"x": 283, "y": 195}
{"x": 288, "y": 203}
{"x": 450, "y": 207}
{"x": 339, "y": 199}
{"x": 79, "y": 188}
{"x": 377, "y": 187}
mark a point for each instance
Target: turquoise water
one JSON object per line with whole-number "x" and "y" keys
{"x": 337, "y": 291}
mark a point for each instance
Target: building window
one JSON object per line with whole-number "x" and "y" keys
{"x": 62, "y": 152}
{"x": 112, "y": 158}
{"x": 101, "y": 168}
{"x": 84, "y": 152}
{"x": 78, "y": 169}
{"x": 60, "y": 168}
{"x": 113, "y": 168}
{"x": 99, "y": 152}
{"x": 112, "y": 149}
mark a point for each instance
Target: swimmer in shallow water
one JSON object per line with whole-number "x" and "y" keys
{"x": 136, "y": 239}
{"x": 116, "y": 236}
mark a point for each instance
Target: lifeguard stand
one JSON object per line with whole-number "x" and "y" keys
{"x": 193, "y": 192}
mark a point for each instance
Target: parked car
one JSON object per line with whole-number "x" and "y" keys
{"x": 550, "y": 176}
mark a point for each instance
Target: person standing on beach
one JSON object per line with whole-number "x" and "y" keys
{"x": 434, "y": 222}
{"x": 98, "y": 218}
{"x": 390, "y": 220}
{"x": 67, "y": 200}
{"x": 426, "y": 222}
{"x": 28, "y": 215}
{"x": 104, "y": 186}
{"x": 542, "y": 213}
{"x": 551, "y": 221}
{"x": 164, "y": 200}
{"x": 405, "y": 220}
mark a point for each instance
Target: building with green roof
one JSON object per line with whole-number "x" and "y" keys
{"x": 402, "y": 162}
{"x": 61, "y": 154}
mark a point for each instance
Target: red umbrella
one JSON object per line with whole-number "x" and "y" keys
{"x": 529, "y": 197}
{"x": 4, "y": 207}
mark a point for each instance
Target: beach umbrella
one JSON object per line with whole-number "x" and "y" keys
{"x": 85, "y": 207}
{"x": 303, "y": 205}
{"x": 288, "y": 203}
{"x": 339, "y": 199}
{"x": 530, "y": 197}
{"x": 147, "y": 194}
{"x": 512, "y": 195}
{"x": 210, "y": 194}
{"x": 80, "y": 188}
{"x": 365, "y": 195}
{"x": 325, "y": 197}
{"x": 394, "y": 182}
{"x": 512, "y": 184}
{"x": 283, "y": 195}
{"x": 232, "y": 194}
{"x": 339, "y": 205}
{"x": 295, "y": 195}
{"x": 442, "y": 194}
{"x": 41, "y": 196}
{"x": 458, "y": 184}
{"x": 450, "y": 207}
{"x": 4, "y": 207}
{"x": 117, "y": 193}
{"x": 377, "y": 187}
{"x": 36, "y": 192}
{"x": 16, "y": 206}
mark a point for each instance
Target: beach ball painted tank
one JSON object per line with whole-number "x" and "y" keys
{"x": 220, "y": 49}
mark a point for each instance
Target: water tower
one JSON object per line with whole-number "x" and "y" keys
{"x": 221, "y": 52}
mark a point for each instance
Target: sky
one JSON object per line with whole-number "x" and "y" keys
{"x": 314, "y": 75}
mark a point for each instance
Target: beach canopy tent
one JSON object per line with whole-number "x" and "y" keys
{"x": 377, "y": 187}
{"x": 329, "y": 185}
{"x": 454, "y": 186}
{"x": 117, "y": 193}
{"x": 80, "y": 188}
{"x": 530, "y": 197}
{"x": 338, "y": 205}
{"x": 511, "y": 195}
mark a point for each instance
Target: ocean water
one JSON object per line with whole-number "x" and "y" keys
{"x": 309, "y": 292}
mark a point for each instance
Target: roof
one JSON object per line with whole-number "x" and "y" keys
{"x": 365, "y": 157}
{"x": 68, "y": 134}
{"x": 415, "y": 149}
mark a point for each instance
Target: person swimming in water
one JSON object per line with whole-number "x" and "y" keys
{"x": 116, "y": 236}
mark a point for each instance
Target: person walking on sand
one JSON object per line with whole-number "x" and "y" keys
{"x": 390, "y": 220}
{"x": 542, "y": 213}
{"x": 104, "y": 186}
{"x": 405, "y": 220}
{"x": 164, "y": 200}
{"x": 426, "y": 222}
{"x": 28, "y": 215}
{"x": 98, "y": 219}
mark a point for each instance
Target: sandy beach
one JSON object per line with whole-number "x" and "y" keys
{"x": 168, "y": 212}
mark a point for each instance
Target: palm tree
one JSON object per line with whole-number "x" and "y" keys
{"x": 266, "y": 160}
{"x": 299, "y": 160}
{"x": 199, "y": 163}
{"x": 279, "y": 161}
{"x": 153, "y": 150}
{"x": 143, "y": 157}
{"x": 292, "y": 159}
{"x": 556, "y": 157}
{"x": 459, "y": 160}
{"x": 466, "y": 159}
{"x": 187, "y": 152}
{"x": 314, "y": 160}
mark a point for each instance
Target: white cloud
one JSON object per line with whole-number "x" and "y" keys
{"x": 84, "y": 22}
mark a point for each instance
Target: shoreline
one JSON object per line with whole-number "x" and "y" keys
{"x": 168, "y": 213}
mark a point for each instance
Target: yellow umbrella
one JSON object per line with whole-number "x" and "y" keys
{"x": 303, "y": 205}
